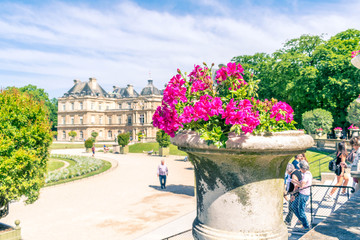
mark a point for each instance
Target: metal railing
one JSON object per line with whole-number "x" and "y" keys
{"x": 186, "y": 235}
{"x": 320, "y": 205}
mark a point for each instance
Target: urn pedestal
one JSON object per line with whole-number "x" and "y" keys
{"x": 338, "y": 134}
{"x": 239, "y": 189}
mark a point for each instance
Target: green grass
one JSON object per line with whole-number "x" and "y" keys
{"x": 314, "y": 157}
{"x": 106, "y": 166}
{"x": 54, "y": 164}
{"x": 75, "y": 145}
{"x": 141, "y": 147}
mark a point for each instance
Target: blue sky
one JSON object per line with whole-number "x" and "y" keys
{"x": 50, "y": 43}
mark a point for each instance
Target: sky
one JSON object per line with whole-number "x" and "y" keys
{"x": 51, "y": 43}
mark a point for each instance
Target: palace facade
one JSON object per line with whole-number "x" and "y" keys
{"x": 88, "y": 108}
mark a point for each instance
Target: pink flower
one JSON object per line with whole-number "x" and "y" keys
{"x": 241, "y": 113}
{"x": 352, "y": 127}
{"x": 200, "y": 79}
{"x": 205, "y": 108}
{"x": 282, "y": 111}
{"x": 175, "y": 91}
{"x": 167, "y": 119}
{"x": 232, "y": 70}
{"x": 354, "y": 53}
{"x": 338, "y": 129}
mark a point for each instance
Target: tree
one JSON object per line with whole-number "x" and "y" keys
{"x": 162, "y": 138}
{"x": 25, "y": 137}
{"x": 40, "y": 95}
{"x": 72, "y": 134}
{"x": 317, "y": 118}
{"x": 353, "y": 111}
{"x": 123, "y": 139}
{"x": 94, "y": 135}
{"x": 309, "y": 72}
{"x": 89, "y": 143}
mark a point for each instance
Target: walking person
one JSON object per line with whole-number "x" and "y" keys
{"x": 342, "y": 172}
{"x": 162, "y": 172}
{"x": 293, "y": 190}
{"x": 93, "y": 150}
{"x": 304, "y": 193}
{"x": 354, "y": 142}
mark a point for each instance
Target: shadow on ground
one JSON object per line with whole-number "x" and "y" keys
{"x": 180, "y": 160}
{"x": 177, "y": 189}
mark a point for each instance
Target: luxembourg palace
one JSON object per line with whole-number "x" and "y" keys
{"x": 88, "y": 108}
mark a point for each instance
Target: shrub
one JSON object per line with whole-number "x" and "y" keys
{"x": 25, "y": 137}
{"x": 94, "y": 135}
{"x": 353, "y": 111}
{"x": 123, "y": 139}
{"x": 72, "y": 134}
{"x": 89, "y": 143}
{"x": 317, "y": 118}
{"x": 162, "y": 138}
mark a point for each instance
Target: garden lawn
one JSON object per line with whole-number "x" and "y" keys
{"x": 54, "y": 164}
{"x": 319, "y": 162}
{"x": 75, "y": 145}
{"x": 145, "y": 147}
{"x": 105, "y": 166}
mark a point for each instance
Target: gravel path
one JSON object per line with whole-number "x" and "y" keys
{"x": 122, "y": 203}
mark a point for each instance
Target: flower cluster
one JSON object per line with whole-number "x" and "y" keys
{"x": 319, "y": 130}
{"x": 354, "y": 53}
{"x": 353, "y": 127}
{"x": 214, "y": 110}
{"x": 338, "y": 129}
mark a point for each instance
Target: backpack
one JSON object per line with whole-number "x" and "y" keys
{"x": 332, "y": 165}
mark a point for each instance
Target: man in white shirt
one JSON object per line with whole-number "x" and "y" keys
{"x": 162, "y": 172}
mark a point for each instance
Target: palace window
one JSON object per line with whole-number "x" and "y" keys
{"x": 119, "y": 105}
{"x": 92, "y": 106}
{"x": 64, "y": 107}
{"x": 100, "y": 134}
{"x": 129, "y": 105}
{"x": 100, "y": 120}
{"x": 92, "y": 119}
{"x": 64, "y": 135}
{"x": 119, "y": 119}
{"x": 72, "y": 106}
{"x": 100, "y": 106}
{"x": 109, "y": 120}
{"x": 109, "y": 134}
{"x": 63, "y": 120}
{"x": 142, "y": 119}
{"x": 81, "y": 120}
{"x": 81, "y": 106}
{"x": 81, "y": 135}
{"x": 129, "y": 120}
{"x": 72, "y": 120}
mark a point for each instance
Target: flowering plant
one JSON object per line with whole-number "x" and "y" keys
{"x": 352, "y": 127}
{"x": 319, "y": 130}
{"x": 354, "y": 53}
{"x": 216, "y": 105}
{"x": 338, "y": 129}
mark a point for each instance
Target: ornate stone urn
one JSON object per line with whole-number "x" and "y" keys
{"x": 338, "y": 133}
{"x": 239, "y": 189}
{"x": 354, "y": 132}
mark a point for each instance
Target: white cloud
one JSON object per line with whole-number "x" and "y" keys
{"x": 53, "y": 44}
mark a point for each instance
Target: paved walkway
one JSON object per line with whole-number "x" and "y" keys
{"x": 124, "y": 203}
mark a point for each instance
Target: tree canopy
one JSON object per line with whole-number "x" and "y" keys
{"x": 40, "y": 95}
{"x": 25, "y": 137}
{"x": 309, "y": 72}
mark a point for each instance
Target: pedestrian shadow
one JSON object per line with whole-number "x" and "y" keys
{"x": 177, "y": 189}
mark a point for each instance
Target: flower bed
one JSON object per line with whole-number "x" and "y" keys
{"x": 82, "y": 166}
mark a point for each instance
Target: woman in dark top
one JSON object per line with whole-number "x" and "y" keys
{"x": 342, "y": 173}
{"x": 296, "y": 175}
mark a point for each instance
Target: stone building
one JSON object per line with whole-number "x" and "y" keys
{"x": 88, "y": 108}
